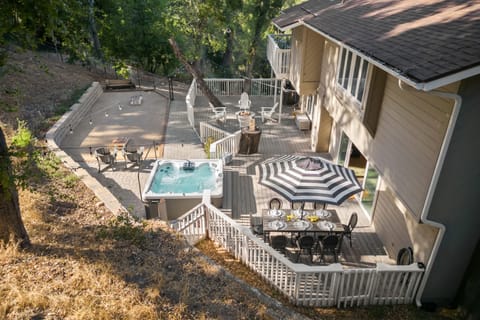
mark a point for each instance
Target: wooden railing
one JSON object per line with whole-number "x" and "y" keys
{"x": 222, "y": 142}
{"x": 319, "y": 286}
{"x": 207, "y": 130}
{"x": 235, "y": 87}
{"x": 190, "y": 101}
{"x": 228, "y": 144}
{"x": 279, "y": 56}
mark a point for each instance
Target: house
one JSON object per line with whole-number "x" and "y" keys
{"x": 392, "y": 89}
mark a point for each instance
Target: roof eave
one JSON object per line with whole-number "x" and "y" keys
{"x": 289, "y": 26}
{"x": 458, "y": 76}
{"x": 424, "y": 86}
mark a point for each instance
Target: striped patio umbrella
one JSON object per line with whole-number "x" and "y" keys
{"x": 301, "y": 178}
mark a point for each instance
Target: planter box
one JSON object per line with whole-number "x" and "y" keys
{"x": 302, "y": 121}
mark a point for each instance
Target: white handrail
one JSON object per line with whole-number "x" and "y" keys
{"x": 190, "y": 101}
{"x": 304, "y": 285}
{"x": 207, "y": 130}
{"x": 235, "y": 87}
{"x": 228, "y": 144}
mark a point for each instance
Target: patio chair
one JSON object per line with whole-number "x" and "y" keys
{"x": 275, "y": 203}
{"x": 352, "y": 223}
{"x": 305, "y": 244}
{"x": 133, "y": 155}
{"x": 330, "y": 244}
{"x": 319, "y": 205}
{"x": 295, "y": 205}
{"x": 219, "y": 112}
{"x": 244, "y": 102}
{"x": 279, "y": 243}
{"x": 104, "y": 156}
{"x": 256, "y": 224}
{"x": 267, "y": 112}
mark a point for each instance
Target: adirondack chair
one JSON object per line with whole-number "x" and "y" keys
{"x": 219, "y": 112}
{"x": 267, "y": 112}
{"x": 244, "y": 102}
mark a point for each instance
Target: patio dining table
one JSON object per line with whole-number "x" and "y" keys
{"x": 309, "y": 221}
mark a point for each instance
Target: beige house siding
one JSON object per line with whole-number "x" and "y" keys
{"x": 296, "y": 56}
{"x": 306, "y": 54}
{"x": 409, "y": 135}
{"x": 396, "y": 227}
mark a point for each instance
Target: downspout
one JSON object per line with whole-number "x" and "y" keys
{"x": 433, "y": 185}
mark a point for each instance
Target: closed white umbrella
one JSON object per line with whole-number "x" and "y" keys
{"x": 301, "y": 178}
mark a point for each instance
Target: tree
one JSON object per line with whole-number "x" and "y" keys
{"x": 134, "y": 31}
{"x": 27, "y": 24}
{"x": 11, "y": 224}
{"x": 195, "y": 73}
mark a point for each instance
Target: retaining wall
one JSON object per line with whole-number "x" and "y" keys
{"x": 61, "y": 128}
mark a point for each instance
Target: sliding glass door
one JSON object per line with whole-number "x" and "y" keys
{"x": 349, "y": 156}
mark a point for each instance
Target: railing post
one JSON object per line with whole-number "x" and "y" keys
{"x": 170, "y": 88}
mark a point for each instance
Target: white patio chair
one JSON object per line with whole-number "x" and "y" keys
{"x": 219, "y": 112}
{"x": 267, "y": 112}
{"x": 244, "y": 101}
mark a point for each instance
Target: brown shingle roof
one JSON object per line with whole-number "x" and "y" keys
{"x": 422, "y": 40}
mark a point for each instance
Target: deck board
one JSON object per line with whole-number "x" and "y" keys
{"x": 248, "y": 196}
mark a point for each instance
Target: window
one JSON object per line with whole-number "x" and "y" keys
{"x": 352, "y": 74}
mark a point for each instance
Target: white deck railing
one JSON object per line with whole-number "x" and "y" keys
{"x": 235, "y": 87}
{"x": 190, "y": 101}
{"x": 278, "y": 57}
{"x": 322, "y": 286}
{"x": 228, "y": 144}
{"x": 207, "y": 130}
{"x": 223, "y": 141}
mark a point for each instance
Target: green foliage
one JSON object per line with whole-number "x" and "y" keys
{"x": 71, "y": 180}
{"x": 124, "y": 228}
{"x": 122, "y": 69}
{"x": 22, "y": 150}
{"x": 65, "y": 105}
{"x": 23, "y": 138}
{"x": 207, "y": 144}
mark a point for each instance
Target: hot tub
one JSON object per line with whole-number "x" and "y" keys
{"x": 176, "y": 186}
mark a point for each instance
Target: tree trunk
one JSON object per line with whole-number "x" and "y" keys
{"x": 93, "y": 30}
{"x": 228, "y": 55}
{"x": 11, "y": 224}
{"x": 196, "y": 74}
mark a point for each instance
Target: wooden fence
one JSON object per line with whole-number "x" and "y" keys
{"x": 320, "y": 286}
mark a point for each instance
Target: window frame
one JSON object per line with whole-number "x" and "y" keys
{"x": 353, "y": 73}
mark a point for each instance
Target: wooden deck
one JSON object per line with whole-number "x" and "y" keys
{"x": 248, "y": 196}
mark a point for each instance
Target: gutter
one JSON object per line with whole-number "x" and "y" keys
{"x": 433, "y": 184}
